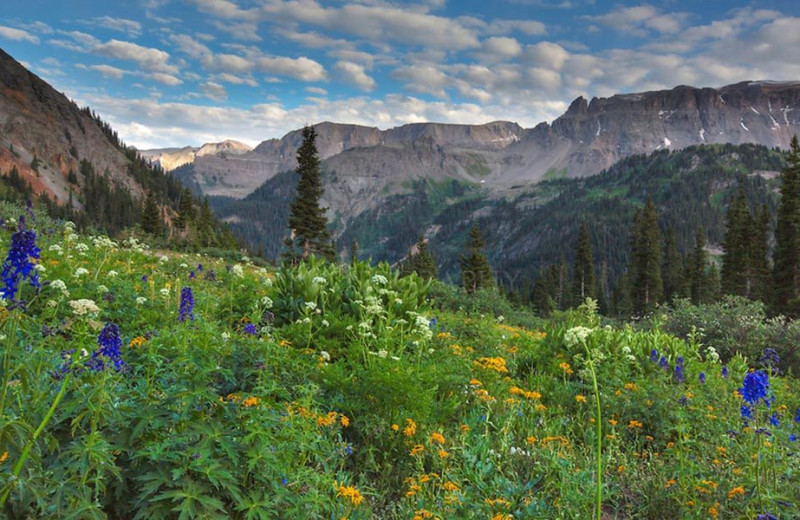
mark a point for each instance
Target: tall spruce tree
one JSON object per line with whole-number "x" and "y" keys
{"x": 759, "y": 255}
{"x": 700, "y": 288}
{"x": 646, "y": 260}
{"x": 475, "y": 270}
{"x": 736, "y": 276}
{"x": 353, "y": 252}
{"x": 583, "y": 276}
{"x": 186, "y": 213}
{"x": 420, "y": 261}
{"x": 307, "y": 220}
{"x": 151, "y": 215}
{"x": 786, "y": 269}
{"x": 672, "y": 269}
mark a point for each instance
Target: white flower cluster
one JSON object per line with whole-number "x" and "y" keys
{"x": 373, "y": 306}
{"x": 266, "y": 301}
{"x": 319, "y": 280}
{"x": 57, "y": 249}
{"x": 59, "y": 285}
{"x": 81, "y": 248}
{"x": 83, "y": 307}
{"x": 104, "y": 242}
{"x": 324, "y": 356}
{"x": 422, "y": 327}
{"x": 133, "y": 243}
{"x": 163, "y": 259}
{"x": 379, "y": 279}
{"x": 246, "y": 259}
{"x": 112, "y": 274}
{"x": 81, "y": 271}
{"x": 576, "y": 335}
{"x": 267, "y": 282}
{"x": 311, "y": 306}
{"x": 712, "y": 354}
{"x": 40, "y": 268}
{"x": 626, "y": 351}
{"x": 164, "y": 292}
{"x": 238, "y": 270}
{"x": 141, "y": 300}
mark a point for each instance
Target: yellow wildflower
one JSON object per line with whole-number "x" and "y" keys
{"x": 739, "y": 490}
{"x": 634, "y": 424}
{"x": 345, "y": 421}
{"x": 4, "y": 457}
{"x": 450, "y": 486}
{"x": 250, "y": 401}
{"x": 410, "y": 429}
{"x": 580, "y": 398}
{"x": 497, "y": 364}
{"x": 395, "y": 427}
{"x": 566, "y": 368}
{"x": 437, "y": 438}
{"x": 351, "y": 493}
{"x": 137, "y": 341}
{"x": 416, "y": 450}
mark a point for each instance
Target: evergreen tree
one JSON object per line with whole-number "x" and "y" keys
{"x": 562, "y": 294}
{"x": 151, "y": 215}
{"x": 353, "y": 252}
{"x": 421, "y": 261}
{"x": 205, "y": 225}
{"x": 759, "y": 255}
{"x": 672, "y": 269}
{"x": 544, "y": 291}
{"x": 603, "y": 294}
{"x": 621, "y": 302}
{"x": 786, "y": 269}
{"x": 583, "y": 278}
{"x": 185, "y": 210}
{"x": 736, "y": 277}
{"x": 698, "y": 278}
{"x": 646, "y": 259}
{"x": 307, "y": 219}
{"x": 475, "y": 270}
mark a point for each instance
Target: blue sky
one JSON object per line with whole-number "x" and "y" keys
{"x": 178, "y": 72}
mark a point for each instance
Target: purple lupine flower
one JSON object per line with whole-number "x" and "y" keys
{"x": 250, "y": 329}
{"x": 797, "y": 415}
{"x": 144, "y": 278}
{"x": 725, "y": 372}
{"x": 755, "y": 387}
{"x": 747, "y": 412}
{"x": 678, "y": 375}
{"x": 653, "y": 355}
{"x": 774, "y": 420}
{"x": 109, "y": 344}
{"x": 702, "y": 378}
{"x": 187, "y": 305}
{"x": 199, "y": 268}
{"x": 191, "y": 275}
{"x": 18, "y": 262}
{"x": 663, "y": 363}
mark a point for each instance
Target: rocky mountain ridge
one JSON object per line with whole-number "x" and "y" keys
{"x": 590, "y": 136}
{"x": 170, "y": 158}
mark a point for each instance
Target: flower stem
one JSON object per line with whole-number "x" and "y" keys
{"x": 599, "y": 434}
{"x": 27, "y": 449}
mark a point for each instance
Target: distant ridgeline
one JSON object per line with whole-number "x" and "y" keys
{"x": 538, "y": 226}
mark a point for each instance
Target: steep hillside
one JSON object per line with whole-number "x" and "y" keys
{"x": 75, "y": 164}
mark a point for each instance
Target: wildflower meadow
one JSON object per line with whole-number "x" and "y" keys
{"x": 144, "y": 384}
